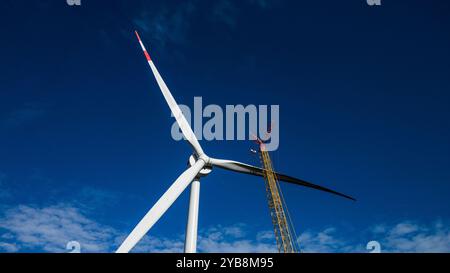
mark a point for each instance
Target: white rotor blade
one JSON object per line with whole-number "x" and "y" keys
{"x": 161, "y": 207}
{"x": 249, "y": 169}
{"x": 176, "y": 111}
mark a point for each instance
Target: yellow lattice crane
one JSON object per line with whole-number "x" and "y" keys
{"x": 284, "y": 231}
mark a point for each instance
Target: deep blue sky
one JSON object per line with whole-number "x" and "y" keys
{"x": 363, "y": 93}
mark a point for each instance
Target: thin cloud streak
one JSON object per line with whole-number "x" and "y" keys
{"x": 171, "y": 25}
{"x": 402, "y": 237}
{"x": 49, "y": 229}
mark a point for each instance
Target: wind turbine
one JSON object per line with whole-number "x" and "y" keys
{"x": 200, "y": 165}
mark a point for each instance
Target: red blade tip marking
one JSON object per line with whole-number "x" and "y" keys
{"x": 137, "y": 35}
{"x": 145, "y": 51}
{"x": 147, "y": 56}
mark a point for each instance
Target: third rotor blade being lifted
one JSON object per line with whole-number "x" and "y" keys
{"x": 249, "y": 169}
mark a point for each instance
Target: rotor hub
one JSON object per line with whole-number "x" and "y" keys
{"x": 206, "y": 170}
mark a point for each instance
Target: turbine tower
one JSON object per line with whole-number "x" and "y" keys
{"x": 200, "y": 165}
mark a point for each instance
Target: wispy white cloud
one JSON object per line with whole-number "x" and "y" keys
{"x": 225, "y": 11}
{"x": 233, "y": 239}
{"x": 8, "y": 247}
{"x": 414, "y": 237}
{"x": 167, "y": 25}
{"x": 28, "y": 228}
{"x": 402, "y": 237}
{"x": 49, "y": 229}
{"x": 215, "y": 239}
{"x": 160, "y": 244}
{"x": 172, "y": 24}
{"x": 325, "y": 241}
{"x": 265, "y": 235}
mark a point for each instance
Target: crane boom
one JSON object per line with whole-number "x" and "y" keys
{"x": 285, "y": 237}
